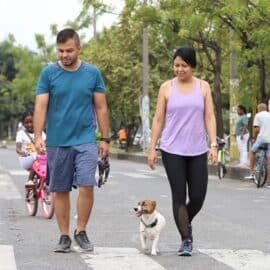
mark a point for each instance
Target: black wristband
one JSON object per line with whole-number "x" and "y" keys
{"x": 107, "y": 140}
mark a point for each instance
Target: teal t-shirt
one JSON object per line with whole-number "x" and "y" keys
{"x": 71, "y": 118}
{"x": 241, "y": 122}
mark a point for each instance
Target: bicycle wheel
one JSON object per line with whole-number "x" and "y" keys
{"x": 31, "y": 201}
{"x": 47, "y": 202}
{"x": 260, "y": 174}
{"x": 220, "y": 170}
{"x": 260, "y": 171}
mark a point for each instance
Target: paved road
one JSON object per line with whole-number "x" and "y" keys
{"x": 232, "y": 231}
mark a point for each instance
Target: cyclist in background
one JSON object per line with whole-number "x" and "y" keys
{"x": 262, "y": 134}
{"x": 25, "y": 146}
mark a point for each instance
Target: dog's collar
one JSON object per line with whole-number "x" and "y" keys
{"x": 153, "y": 224}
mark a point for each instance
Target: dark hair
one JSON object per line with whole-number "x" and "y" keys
{"x": 243, "y": 108}
{"x": 66, "y": 34}
{"x": 187, "y": 54}
{"x": 26, "y": 114}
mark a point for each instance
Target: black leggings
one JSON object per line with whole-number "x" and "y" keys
{"x": 183, "y": 172}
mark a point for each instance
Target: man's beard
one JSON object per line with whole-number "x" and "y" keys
{"x": 71, "y": 63}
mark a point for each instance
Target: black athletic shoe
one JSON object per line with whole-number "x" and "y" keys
{"x": 83, "y": 241}
{"x": 64, "y": 244}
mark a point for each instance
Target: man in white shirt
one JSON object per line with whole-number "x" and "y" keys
{"x": 262, "y": 130}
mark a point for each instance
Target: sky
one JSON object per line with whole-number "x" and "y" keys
{"x": 25, "y": 18}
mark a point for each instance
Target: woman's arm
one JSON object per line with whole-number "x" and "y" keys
{"x": 19, "y": 149}
{"x": 210, "y": 121}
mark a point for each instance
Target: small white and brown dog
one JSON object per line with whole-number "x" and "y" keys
{"x": 151, "y": 224}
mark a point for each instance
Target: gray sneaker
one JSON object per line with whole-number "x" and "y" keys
{"x": 83, "y": 241}
{"x": 64, "y": 244}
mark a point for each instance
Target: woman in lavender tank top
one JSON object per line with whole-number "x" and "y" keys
{"x": 185, "y": 106}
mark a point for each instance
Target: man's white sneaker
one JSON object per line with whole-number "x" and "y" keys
{"x": 250, "y": 176}
{"x": 267, "y": 185}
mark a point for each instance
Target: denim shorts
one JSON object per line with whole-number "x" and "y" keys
{"x": 74, "y": 165}
{"x": 257, "y": 144}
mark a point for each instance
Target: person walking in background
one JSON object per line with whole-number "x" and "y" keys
{"x": 185, "y": 104}
{"x": 122, "y": 138}
{"x": 242, "y": 135}
{"x": 261, "y": 126}
{"x": 70, "y": 97}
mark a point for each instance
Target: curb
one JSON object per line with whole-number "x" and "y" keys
{"x": 233, "y": 172}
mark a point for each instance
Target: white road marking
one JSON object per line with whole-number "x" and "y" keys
{"x": 7, "y": 258}
{"x": 18, "y": 172}
{"x": 8, "y": 190}
{"x": 136, "y": 175}
{"x": 119, "y": 259}
{"x": 240, "y": 259}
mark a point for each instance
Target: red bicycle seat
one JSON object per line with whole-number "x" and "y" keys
{"x": 40, "y": 165}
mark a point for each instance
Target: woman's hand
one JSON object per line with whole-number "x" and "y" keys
{"x": 213, "y": 155}
{"x": 152, "y": 158}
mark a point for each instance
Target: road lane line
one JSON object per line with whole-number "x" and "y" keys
{"x": 18, "y": 172}
{"x": 136, "y": 175}
{"x": 240, "y": 259}
{"x": 7, "y": 258}
{"x": 8, "y": 191}
{"x": 119, "y": 259}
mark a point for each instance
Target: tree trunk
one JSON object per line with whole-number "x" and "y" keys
{"x": 262, "y": 77}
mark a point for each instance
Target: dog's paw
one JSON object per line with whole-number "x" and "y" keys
{"x": 153, "y": 253}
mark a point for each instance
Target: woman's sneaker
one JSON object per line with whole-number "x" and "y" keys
{"x": 190, "y": 232}
{"x": 186, "y": 248}
{"x": 64, "y": 244}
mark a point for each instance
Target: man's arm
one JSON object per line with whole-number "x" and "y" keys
{"x": 41, "y": 105}
{"x": 103, "y": 121}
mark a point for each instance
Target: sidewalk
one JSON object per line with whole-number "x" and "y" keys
{"x": 233, "y": 172}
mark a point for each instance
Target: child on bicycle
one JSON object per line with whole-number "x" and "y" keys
{"x": 25, "y": 146}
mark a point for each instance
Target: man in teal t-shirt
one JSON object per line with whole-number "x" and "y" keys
{"x": 70, "y": 99}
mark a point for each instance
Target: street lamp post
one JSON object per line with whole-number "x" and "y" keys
{"x": 145, "y": 96}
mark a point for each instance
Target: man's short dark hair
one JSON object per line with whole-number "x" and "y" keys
{"x": 66, "y": 34}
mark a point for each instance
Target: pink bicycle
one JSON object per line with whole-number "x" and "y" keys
{"x": 40, "y": 191}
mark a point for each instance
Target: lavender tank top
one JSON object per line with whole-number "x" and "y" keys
{"x": 184, "y": 132}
